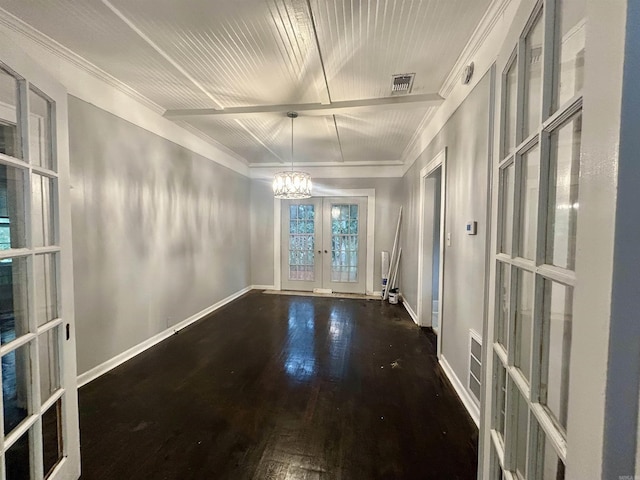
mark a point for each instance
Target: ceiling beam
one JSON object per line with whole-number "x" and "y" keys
{"x": 317, "y": 109}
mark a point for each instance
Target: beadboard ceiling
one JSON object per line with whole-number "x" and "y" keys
{"x": 222, "y": 54}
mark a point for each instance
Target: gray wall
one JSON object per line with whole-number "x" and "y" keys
{"x": 159, "y": 233}
{"x": 466, "y": 136}
{"x": 388, "y": 200}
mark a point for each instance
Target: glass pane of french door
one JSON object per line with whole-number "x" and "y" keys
{"x": 39, "y": 416}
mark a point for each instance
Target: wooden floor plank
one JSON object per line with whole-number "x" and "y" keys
{"x": 281, "y": 387}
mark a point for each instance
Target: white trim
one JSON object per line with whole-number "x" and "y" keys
{"x": 105, "y": 367}
{"x": 482, "y": 49}
{"x": 370, "y": 193}
{"x": 409, "y": 310}
{"x": 277, "y": 220}
{"x": 24, "y": 29}
{"x": 368, "y": 163}
{"x": 263, "y": 287}
{"x": 438, "y": 161}
{"x": 466, "y": 398}
{"x": 87, "y": 82}
{"x": 342, "y": 170}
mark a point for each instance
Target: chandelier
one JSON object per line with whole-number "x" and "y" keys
{"x": 292, "y": 185}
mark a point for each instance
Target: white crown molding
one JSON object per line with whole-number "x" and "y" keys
{"x": 339, "y": 170}
{"x": 303, "y": 165}
{"x": 479, "y": 35}
{"x": 15, "y": 24}
{"x": 482, "y": 48}
{"x": 89, "y": 83}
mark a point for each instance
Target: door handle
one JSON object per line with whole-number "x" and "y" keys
{"x": 319, "y": 251}
{"x": 326, "y": 251}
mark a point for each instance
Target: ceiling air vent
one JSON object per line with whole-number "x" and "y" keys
{"x": 402, "y": 84}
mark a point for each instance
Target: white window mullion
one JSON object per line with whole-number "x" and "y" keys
{"x": 35, "y": 437}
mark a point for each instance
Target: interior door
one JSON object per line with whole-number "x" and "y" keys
{"x": 324, "y": 244}
{"x": 344, "y": 244}
{"x": 536, "y": 172}
{"x": 301, "y": 256}
{"x": 40, "y": 436}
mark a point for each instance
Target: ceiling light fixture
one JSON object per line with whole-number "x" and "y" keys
{"x": 292, "y": 185}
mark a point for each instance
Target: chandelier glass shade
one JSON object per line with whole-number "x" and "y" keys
{"x": 292, "y": 185}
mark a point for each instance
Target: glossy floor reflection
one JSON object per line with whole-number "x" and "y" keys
{"x": 281, "y": 387}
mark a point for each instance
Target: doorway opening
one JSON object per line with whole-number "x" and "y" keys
{"x": 431, "y": 244}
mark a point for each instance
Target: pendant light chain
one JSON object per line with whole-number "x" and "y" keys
{"x": 291, "y": 184}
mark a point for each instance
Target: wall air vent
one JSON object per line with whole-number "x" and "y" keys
{"x": 402, "y": 84}
{"x": 475, "y": 363}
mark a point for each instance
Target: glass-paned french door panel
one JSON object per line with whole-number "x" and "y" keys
{"x": 10, "y": 133}
{"x": 503, "y": 304}
{"x": 523, "y": 326}
{"x": 507, "y": 184}
{"x": 557, "y": 317}
{"x": 562, "y": 207}
{"x": 301, "y": 251}
{"x": 302, "y": 242}
{"x": 533, "y": 77}
{"x": 344, "y": 243}
{"x": 528, "y": 213}
{"x": 569, "y": 61}
{"x": 345, "y": 226}
{"x": 537, "y": 176}
{"x": 40, "y": 130}
{"x": 324, "y": 244}
{"x": 510, "y": 103}
{"x": 38, "y": 376}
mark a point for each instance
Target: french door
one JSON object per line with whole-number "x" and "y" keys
{"x": 40, "y": 437}
{"x": 324, "y": 244}
{"x": 536, "y": 212}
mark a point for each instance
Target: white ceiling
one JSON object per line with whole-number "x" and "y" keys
{"x": 220, "y": 54}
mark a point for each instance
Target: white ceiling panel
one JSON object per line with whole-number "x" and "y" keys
{"x": 377, "y": 137}
{"x": 365, "y": 42}
{"x": 267, "y": 139}
{"x": 246, "y": 52}
{"x": 218, "y": 54}
{"x": 91, "y": 30}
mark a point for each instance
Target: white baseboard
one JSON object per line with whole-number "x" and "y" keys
{"x": 465, "y": 396}
{"x": 408, "y": 308}
{"x": 103, "y": 368}
{"x": 263, "y": 287}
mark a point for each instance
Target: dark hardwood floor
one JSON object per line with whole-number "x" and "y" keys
{"x": 281, "y": 387}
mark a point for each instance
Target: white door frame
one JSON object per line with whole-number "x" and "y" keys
{"x": 440, "y": 160}
{"x": 370, "y": 193}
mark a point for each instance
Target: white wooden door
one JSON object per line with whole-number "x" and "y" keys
{"x": 344, "y": 244}
{"x": 301, "y": 255}
{"x": 536, "y": 213}
{"x": 40, "y": 435}
{"x": 324, "y": 244}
